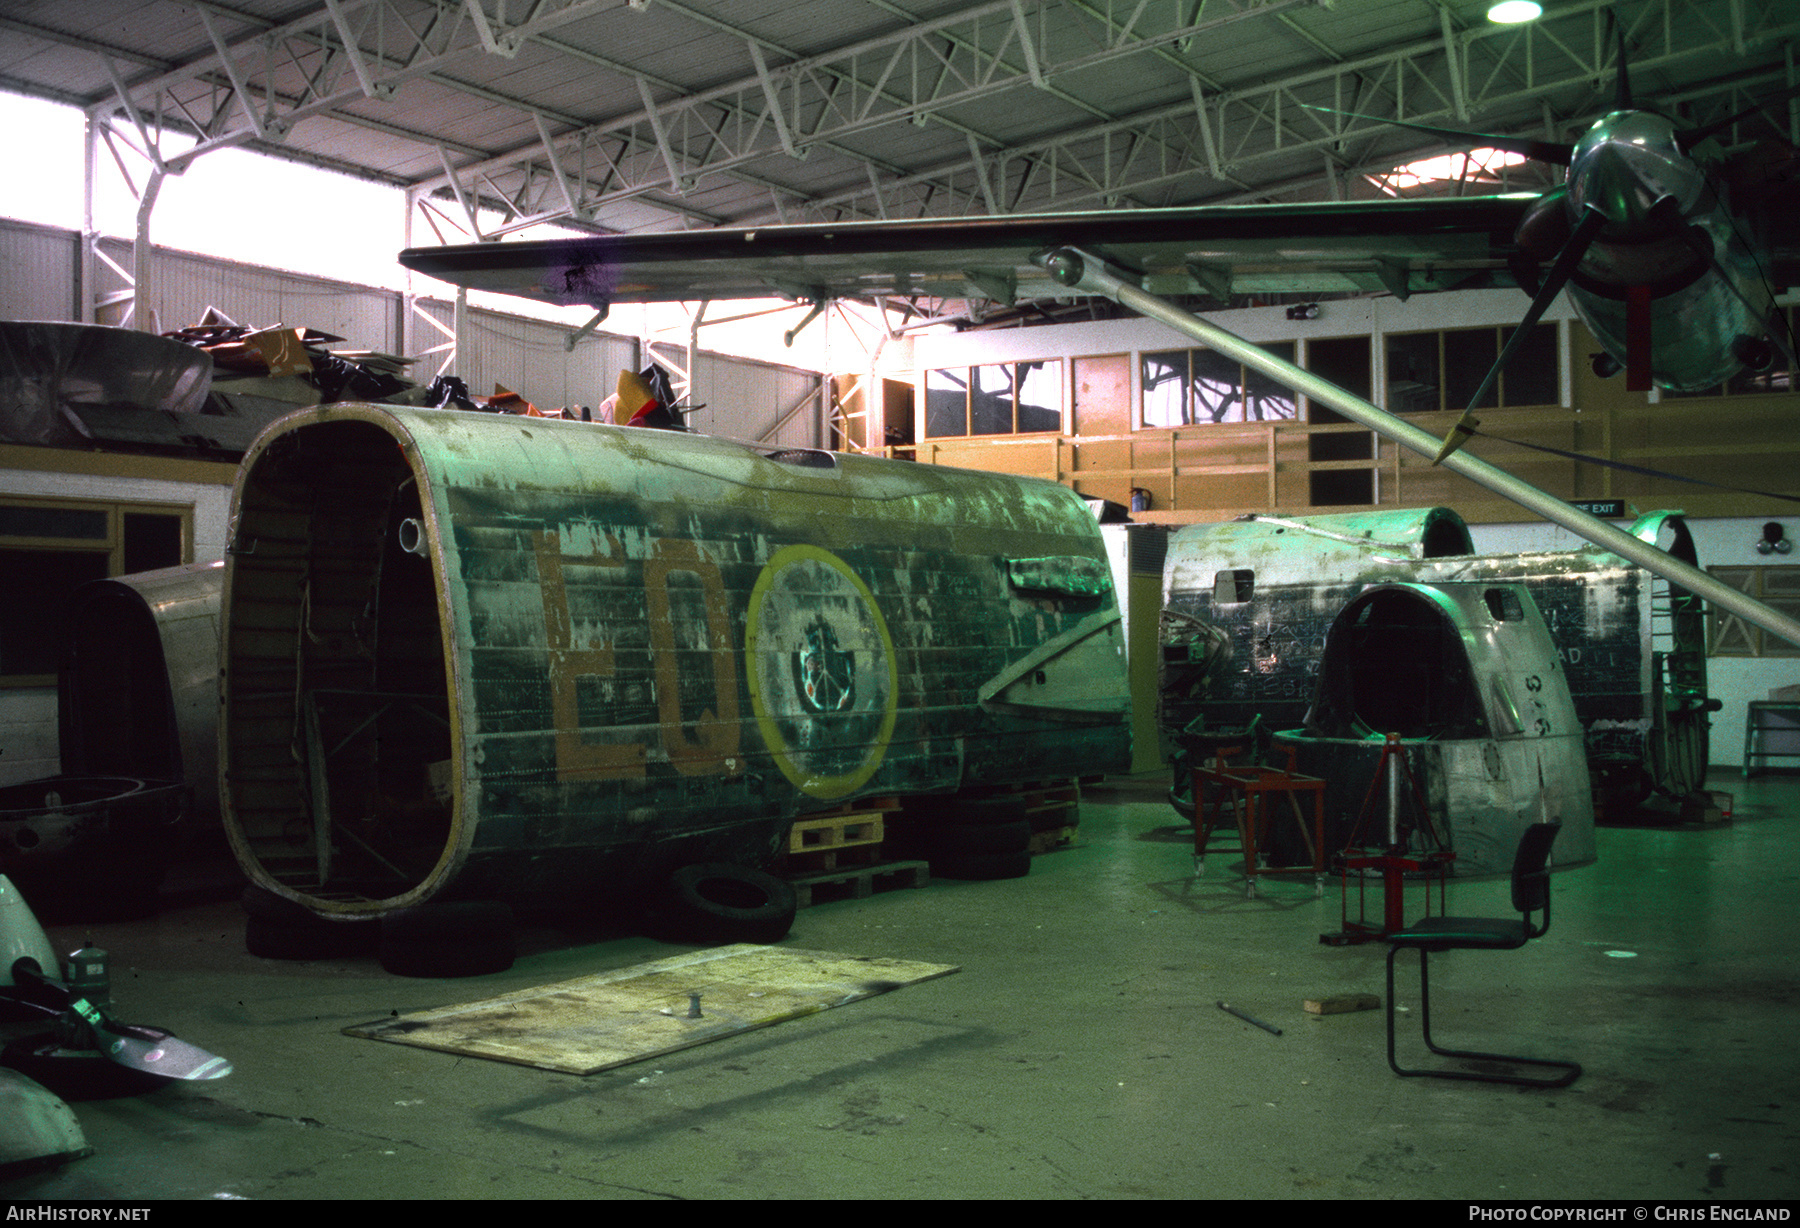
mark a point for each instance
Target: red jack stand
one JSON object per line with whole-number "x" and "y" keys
{"x": 1392, "y": 859}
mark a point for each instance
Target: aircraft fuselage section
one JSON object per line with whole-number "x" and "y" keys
{"x": 472, "y": 655}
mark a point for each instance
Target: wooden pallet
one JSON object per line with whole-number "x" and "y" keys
{"x": 834, "y": 832}
{"x": 1053, "y": 808}
{"x": 859, "y": 882}
{"x": 848, "y": 836}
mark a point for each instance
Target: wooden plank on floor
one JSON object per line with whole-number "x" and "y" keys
{"x": 615, "y": 1018}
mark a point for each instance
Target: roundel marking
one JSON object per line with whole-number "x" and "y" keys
{"x": 820, "y": 667}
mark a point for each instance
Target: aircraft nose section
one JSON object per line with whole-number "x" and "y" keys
{"x": 1613, "y": 185}
{"x": 1630, "y": 169}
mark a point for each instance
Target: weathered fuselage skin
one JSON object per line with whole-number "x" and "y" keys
{"x": 1469, "y": 678}
{"x": 1639, "y": 689}
{"x": 138, "y": 688}
{"x": 489, "y": 656}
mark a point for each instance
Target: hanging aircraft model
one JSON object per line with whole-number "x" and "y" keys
{"x": 1662, "y": 243}
{"x": 468, "y": 657}
{"x": 1666, "y": 247}
{"x": 1669, "y": 261}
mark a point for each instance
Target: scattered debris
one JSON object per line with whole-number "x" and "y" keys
{"x": 1267, "y": 1027}
{"x": 292, "y": 365}
{"x": 1342, "y": 1003}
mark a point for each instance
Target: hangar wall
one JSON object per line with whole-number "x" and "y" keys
{"x": 40, "y": 279}
{"x": 40, "y": 276}
{"x": 1213, "y": 471}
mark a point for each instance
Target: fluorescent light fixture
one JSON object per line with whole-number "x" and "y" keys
{"x": 1512, "y": 12}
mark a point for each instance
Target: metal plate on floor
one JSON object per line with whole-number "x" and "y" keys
{"x": 595, "y": 1023}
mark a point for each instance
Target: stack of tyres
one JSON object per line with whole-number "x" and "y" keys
{"x": 978, "y": 839}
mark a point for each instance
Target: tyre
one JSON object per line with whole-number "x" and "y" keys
{"x": 962, "y": 839}
{"x": 276, "y": 927}
{"x": 982, "y": 867}
{"x": 979, "y": 810}
{"x": 465, "y": 938}
{"x": 718, "y": 902}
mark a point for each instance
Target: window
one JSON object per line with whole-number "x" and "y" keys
{"x": 1233, "y": 587}
{"x": 1504, "y": 605}
{"x": 50, "y": 547}
{"x": 1191, "y": 387}
{"x": 1345, "y": 362}
{"x": 1012, "y": 398}
{"x": 1727, "y": 635}
{"x": 1428, "y": 372}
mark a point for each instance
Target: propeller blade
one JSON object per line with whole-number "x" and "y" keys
{"x": 1622, "y": 96}
{"x": 150, "y": 1050}
{"x": 1560, "y": 272}
{"x": 1543, "y": 151}
{"x": 156, "y": 1052}
{"x": 1687, "y": 138}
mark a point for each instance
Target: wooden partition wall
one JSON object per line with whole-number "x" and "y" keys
{"x": 1750, "y": 443}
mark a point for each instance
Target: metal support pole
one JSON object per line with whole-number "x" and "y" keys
{"x": 144, "y": 317}
{"x": 459, "y": 337}
{"x": 1086, "y": 273}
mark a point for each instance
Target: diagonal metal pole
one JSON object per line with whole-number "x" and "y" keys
{"x": 1085, "y": 273}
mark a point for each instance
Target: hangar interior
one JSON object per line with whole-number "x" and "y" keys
{"x": 1080, "y": 1051}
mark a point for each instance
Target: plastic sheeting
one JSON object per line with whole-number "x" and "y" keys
{"x": 49, "y": 371}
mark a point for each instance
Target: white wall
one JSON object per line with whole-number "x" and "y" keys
{"x": 38, "y": 274}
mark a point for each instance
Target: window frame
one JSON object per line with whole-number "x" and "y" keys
{"x": 1444, "y": 365}
{"x": 1751, "y": 642}
{"x": 1057, "y": 370}
{"x": 111, "y": 544}
{"x": 1249, "y": 381}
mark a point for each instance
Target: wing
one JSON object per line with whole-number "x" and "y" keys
{"x": 1400, "y": 246}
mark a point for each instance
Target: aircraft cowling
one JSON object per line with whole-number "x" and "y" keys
{"x": 478, "y": 656}
{"x": 1469, "y": 679}
{"x": 1701, "y": 310}
{"x": 1706, "y": 290}
{"x": 1630, "y": 167}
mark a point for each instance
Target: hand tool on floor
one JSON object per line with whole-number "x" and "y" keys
{"x": 1267, "y": 1027}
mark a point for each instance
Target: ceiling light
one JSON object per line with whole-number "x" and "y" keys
{"x": 1512, "y": 12}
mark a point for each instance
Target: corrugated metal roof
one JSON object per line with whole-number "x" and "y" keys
{"x": 663, "y": 114}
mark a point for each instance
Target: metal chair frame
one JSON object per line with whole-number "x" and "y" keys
{"x": 1530, "y": 894}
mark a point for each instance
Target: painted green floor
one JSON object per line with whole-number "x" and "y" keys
{"x": 1079, "y": 1054}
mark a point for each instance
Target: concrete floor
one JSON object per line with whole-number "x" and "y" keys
{"x": 1080, "y": 1052}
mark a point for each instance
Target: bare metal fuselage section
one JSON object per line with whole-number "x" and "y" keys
{"x": 138, "y": 689}
{"x": 1467, "y": 676}
{"x": 1247, "y": 605}
{"x": 487, "y": 656}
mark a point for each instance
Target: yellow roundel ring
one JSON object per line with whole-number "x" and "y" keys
{"x": 821, "y": 672}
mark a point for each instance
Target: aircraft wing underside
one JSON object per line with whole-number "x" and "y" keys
{"x": 1400, "y": 246}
